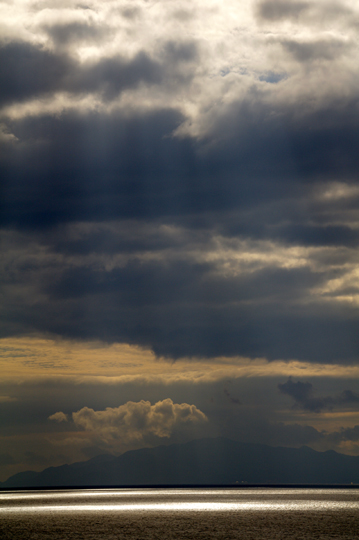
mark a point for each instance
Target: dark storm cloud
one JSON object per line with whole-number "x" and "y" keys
{"x": 95, "y": 168}
{"x": 180, "y": 309}
{"x": 302, "y": 393}
{"x": 140, "y": 283}
{"x": 128, "y": 237}
{"x": 256, "y": 175}
{"x": 132, "y": 167}
{"x": 99, "y": 168}
{"x": 29, "y": 71}
{"x": 296, "y": 144}
{"x": 316, "y": 235}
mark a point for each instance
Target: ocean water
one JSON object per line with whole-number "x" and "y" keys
{"x": 136, "y": 514}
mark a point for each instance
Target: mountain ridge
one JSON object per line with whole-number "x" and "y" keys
{"x": 212, "y": 461}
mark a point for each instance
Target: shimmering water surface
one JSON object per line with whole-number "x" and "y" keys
{"x": 136, "y": 514}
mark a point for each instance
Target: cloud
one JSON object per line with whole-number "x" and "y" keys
{"x": 59, "y": 417}
{"x": 231, "y": 399}
{"x": 171, "y": 188}
{"x": 348, "y": 396}
{"x": 302, "y": 393}
{"x": 317, "y": 50}
{"x": 306, "y": 13}
{"x": 263, "y": 416}
{"x": 6, "y": 459}
{"x": 178, "y": 182}
{"x": 77, "y": 31}
{"x": 182, "y": 292}
{"x": 274, "y": 10}
{"x": 30, "y": 71}
{"x": 136, "y": 422}
{"x": 7, "y": 399}
{"x": 345, "y": 434}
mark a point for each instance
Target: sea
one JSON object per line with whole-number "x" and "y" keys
{"x": 191, "y": 514}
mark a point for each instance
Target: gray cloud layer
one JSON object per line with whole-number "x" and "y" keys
{"x": 29, "y": 72}
{"x": 125, "y": 202}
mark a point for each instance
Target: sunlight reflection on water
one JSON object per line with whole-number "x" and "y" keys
{"x": 150, "y": 493}
{"x": 179, "y": 500}
{"x": 180, "y": 514}
{"x": 189, "y": 507}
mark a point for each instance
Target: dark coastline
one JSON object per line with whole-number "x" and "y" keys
{"x": 187, "y": 486}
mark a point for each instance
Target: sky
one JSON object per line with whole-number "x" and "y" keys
{"x": 179, "y": 226}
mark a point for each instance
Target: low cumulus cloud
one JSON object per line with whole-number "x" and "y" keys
{"x": 302, "y": 393}
{"x": 136, "y": 422}
{"x": 59, "y": 417}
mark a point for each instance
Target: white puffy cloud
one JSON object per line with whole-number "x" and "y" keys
{"x": 137, "y": 421}
{"x": 58, "y": 417}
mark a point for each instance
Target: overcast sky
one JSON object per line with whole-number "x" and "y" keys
{"x": 179, "y": 225}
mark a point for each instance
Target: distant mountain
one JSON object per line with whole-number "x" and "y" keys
{"x": 200, "y": 462}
